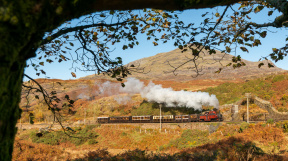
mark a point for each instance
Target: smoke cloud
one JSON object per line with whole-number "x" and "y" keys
{"x": 122, "y": 99}
{"x": 171, "y": 98}
{"x": 108, "y": 88}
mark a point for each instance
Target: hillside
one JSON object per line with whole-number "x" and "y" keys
{"x": 157, "y": 67}
{"x": 98, "y": 95}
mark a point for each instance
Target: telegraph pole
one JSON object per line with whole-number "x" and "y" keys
{"x": 247, "y": 95}
{"x": 160, "y": 117}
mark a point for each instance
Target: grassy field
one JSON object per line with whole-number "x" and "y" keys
{"x": 267, "y": 140}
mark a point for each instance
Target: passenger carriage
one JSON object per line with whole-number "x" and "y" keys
{"x": 164, "y": 118}
{"x": 182, "y": 118}
{"x": 120, "y": 119}
{"x": 103, "y": 120}
{"x": 142, "y": 119}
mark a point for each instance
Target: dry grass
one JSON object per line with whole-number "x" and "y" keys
{"x": 262, "y": 141}
{"x": 25, "y": 151}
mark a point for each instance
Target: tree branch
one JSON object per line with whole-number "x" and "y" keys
{"x": 76, "y": 28}
{"x": 196, "y": 56}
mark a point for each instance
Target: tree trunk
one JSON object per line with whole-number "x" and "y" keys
{"x": 11, "y": 74}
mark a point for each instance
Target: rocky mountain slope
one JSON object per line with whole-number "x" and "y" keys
{"x": 159, "y": 67}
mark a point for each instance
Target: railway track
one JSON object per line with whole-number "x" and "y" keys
{"x": 58, "y": 127}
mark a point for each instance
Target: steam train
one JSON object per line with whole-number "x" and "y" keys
{"x": 205, "y": 116}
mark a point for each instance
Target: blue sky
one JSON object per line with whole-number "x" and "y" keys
{"x": 146, "y": 48}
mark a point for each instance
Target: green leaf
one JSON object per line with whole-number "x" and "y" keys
{"x": 260, "y": 65}
{"x": 258, "y": 9}
{"x": 49, "y": 60}
{"x": 219, "y": 70}
{"x": 244, "y": 49}
{"x": 41, "y": 63}
{"x": 42, "y": 71}
{"x": 256, "y": 42}
{"x": 263, "y": 34}
{"x": 270, "y": 13}
{"x": 125, "y": 47}
{"x": 275, "y": 50}
{"x": 228, "y": 49}
{"x": 204, "y": 14}
{"x": 240, "y": 41}
{"x": 270, "y": 65}
{"x": 73, "y": 74}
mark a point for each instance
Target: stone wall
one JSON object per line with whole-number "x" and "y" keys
{"x": 273, "y": 113}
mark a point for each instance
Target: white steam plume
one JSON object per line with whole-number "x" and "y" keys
{"x": 168, "y": 96}
{"x": 122, "y": 99}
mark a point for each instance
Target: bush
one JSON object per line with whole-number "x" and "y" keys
{"x": 189, "y": 138}
{"x": 284, "y": 98}
{"x": 243, "y": 126}
{"x": 78, "y": 137}
{"x": 247, "y": 151}
{"x": 92, "y": 141}
{"x": 278, "y": 78}
{"x": 90, "y": 127}
{"x": 270, "y": 121}
{"x": 283, "y": 125}
{"x": 123, "y": 134}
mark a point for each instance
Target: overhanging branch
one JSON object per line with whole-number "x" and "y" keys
{"x": 77, "y": 28}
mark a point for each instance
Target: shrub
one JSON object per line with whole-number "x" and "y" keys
{"x": 247, "y": 151}
{"x": 243, "y": 126}
{"x": 78, "y": 137}
{"x": 123, "y": 134}
{"x": 189, "y": 138}
{"x": 92, "y": 141}
{"x": 278, "y": 78}
{"x": 270, "y": 121}
{"x": 283, "y": 125}
{"x": 284, "y": 98}
{"x": 283, "y": 109}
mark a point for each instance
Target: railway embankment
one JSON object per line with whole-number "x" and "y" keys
{"x": 210, "y": 126}
{"x": 191, "y": 125}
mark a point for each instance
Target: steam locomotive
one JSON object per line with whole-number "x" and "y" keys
{"x": 205, "y": 116}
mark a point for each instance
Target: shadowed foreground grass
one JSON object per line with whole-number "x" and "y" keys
{"x": 232, "y": 149}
